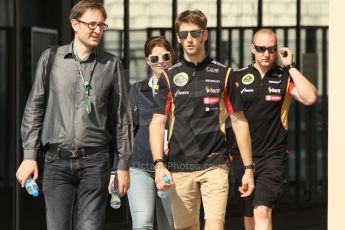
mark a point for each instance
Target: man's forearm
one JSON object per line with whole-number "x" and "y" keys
{"x": 241, "y": 130}
{"x": 306, "y": 91}
{"x": 157, "y": 127}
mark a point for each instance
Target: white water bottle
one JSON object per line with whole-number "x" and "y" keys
{"x": 32, "y": 187}
{"x": 115, "y": 201}
{"x": 164, "y": 194}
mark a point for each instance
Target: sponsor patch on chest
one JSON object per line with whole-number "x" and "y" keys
{"x": 211, "y": 90}
{"x": 181, "y": 79}
{"x": 247, "y": 79}
{"x": 211, "y": 100}
{"x": 273, "y": 97}
{"x": 273, "y": 90}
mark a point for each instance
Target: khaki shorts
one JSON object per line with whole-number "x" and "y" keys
{"x": 210, "y": 184}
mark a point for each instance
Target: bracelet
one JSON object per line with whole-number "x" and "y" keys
{"x": 157, "y": 161}
{"x": 250, "y": 166}
{"x": 292, "y": 65}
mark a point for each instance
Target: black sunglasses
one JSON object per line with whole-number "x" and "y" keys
{"x": 262, "y": 49}
{"x": 193, "y": 33}
{"x": 154, "y": 58}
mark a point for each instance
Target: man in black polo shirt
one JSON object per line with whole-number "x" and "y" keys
{"x": 196, "y": 96}
{"x": 267, "y": 90}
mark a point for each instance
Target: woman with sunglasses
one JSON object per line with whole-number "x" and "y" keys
{"x": 142, "y": 194}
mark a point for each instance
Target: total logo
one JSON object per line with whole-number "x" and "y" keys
{"x": 211, "y": 90}
{"x": 273, "y": 90}
{"x": 273, "y": 97}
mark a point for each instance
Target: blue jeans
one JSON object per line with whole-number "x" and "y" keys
{"x": 75, "y": 191}
{"x": 143, "y": 199}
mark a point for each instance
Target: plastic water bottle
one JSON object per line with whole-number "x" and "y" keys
{"x": 32, "y": 187}
{"x": 161, "y": 193}
{"x": 115, "y": 201}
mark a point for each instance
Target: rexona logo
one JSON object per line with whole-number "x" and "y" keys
{"x": 273, "y": 90}
{"x": 211, "y": 100}
{"x": 211, "y": 90}
{"x": 180, "y": 79}
{"x": 273, "y": 97}
{"x": 248, "y": 79}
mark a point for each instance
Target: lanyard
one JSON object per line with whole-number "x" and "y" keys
{"x": 86, "y": 82}
{"x": 153, "y": 86}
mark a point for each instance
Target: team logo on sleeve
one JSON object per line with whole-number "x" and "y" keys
{"x": 180, "y": 79}
{"x": 248, "y": 79}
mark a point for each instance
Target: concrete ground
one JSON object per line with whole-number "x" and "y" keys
{"x": 283, "y": 219}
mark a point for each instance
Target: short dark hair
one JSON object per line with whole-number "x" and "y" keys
{"x": 196, "y": 17}
{"x": 82, "y": 6}
{"x": 159, "y": 41}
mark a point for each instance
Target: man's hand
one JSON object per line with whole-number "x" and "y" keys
{"x": 111, "y": 183}
{"x": 123, "y": 181}
{"x": 247, "y": 187}
{"x": 26, "y": 169}
{"x": 160, "y": 172}
{"x": 286, "y": 56}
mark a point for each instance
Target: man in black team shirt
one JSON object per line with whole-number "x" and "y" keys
{"x": 267, "y": 90}
{"x": 196, "y": 94}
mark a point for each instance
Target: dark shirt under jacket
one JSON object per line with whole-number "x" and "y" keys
{"x": 66, "y": 122}
{"x": 142, "y": 155}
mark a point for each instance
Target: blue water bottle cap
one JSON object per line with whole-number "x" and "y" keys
{"x": 35, "y": 193}
{"x": 166, "y": 179}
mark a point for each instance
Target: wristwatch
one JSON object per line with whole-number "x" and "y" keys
{"x": 292, "y": 65}
{"x": 250, "y": 166}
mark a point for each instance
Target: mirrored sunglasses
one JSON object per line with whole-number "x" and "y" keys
{"x": 193, "y": 33}
{"x": 262, "y": 49}
{"x": 154, "y": 58}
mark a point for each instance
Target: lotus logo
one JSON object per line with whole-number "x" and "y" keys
{"x": 248, "y": 79}
{"x": 181, "y": 79}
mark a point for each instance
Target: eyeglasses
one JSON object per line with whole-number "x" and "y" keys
{"x": 93, "y": 25}
{"x": 262, "y": 49}
{"x": 154, "y": 58}
{"x": 193, "y": 33}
